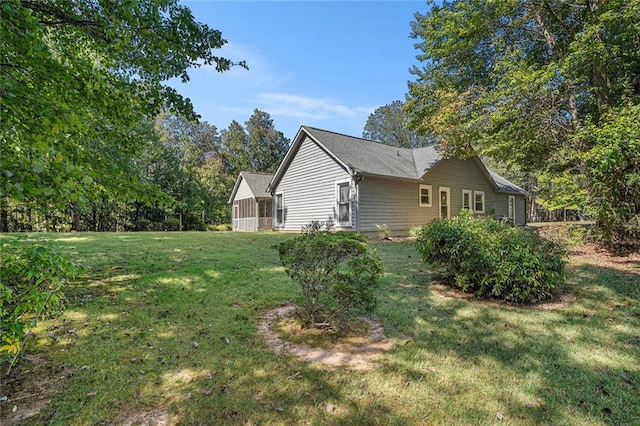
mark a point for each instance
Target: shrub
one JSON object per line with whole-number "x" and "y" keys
{"x": 415, "y": 231}
{"x": 383, "y": 230}
{"x": 31, "y": 281}
{"x": 171, "y": 224}
{"x": 337, "y": 273}
{"x": 489, "y": 259}
{"x": 317, "y": 226}
{"x": 221, "y": 227}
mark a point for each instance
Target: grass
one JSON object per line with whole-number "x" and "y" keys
{"x": 165, "y": 324}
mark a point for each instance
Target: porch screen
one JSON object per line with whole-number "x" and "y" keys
{"x": 246, "y": 208}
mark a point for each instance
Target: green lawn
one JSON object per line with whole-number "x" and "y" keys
{"x": 163, "y": 326}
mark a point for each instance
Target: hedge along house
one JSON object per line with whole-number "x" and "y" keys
{"x": 358, "y": 184}
{"x": 250, "y": 203}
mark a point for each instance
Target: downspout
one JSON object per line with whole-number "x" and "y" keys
{"x": 357, "y": 178}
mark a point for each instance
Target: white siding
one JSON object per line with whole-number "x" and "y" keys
{"x": 243, "y": 190}
{"x": 309, "y": 188}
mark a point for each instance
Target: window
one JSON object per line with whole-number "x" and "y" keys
{"x": 512, "y": 209}
{"x": 343, "y": 200}
{"x": 466, "y": 199}
{"x": 478, "y": 201}
{"x": 279, "y": 209}
{"x": 425, "y": 195}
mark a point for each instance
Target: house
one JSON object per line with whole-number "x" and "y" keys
{"x": 358, "y": 184}
{"x": 251, "y": 203}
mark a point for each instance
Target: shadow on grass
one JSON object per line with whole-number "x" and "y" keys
{"x": 577, "y": 364}
{"x": 170, "y": 330}
{"x": 169, "y": 327}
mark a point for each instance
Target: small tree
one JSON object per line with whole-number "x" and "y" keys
{"x": 31, "y": 281}
{"x": 337, "y": 273}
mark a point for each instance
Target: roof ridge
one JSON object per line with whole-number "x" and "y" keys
{"x": 415, "y": 163}
{"x": 378, "y": 143}
{"x": 337, "y": 133}
{"x": 256, "y": 173}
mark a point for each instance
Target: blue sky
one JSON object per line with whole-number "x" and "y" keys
{"x": 327, "y": 64}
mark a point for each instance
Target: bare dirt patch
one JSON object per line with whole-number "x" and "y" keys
{"x": 28, "y": 390}
{"x": 159, "y": 416}
{"x": 357, "y": 355}
{"x": 597, "y": 256}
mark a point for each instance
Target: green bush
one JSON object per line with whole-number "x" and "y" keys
{"x": 337, "y": 272}
{"x": 489, "y": 259}
{"x": 31, "y": 281}
{"x": 219, "y": 227}
{"x": 171, "y": 224}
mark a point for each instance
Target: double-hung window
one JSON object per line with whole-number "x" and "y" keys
{"x": 466, "y": 199}
{"x": 478, "y": 201}
{"x": 279, "y": 208}
{"x": 343, "y": 202}
{"x": 425, "y": 195}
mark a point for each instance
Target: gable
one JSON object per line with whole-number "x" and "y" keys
{"x": 364, "y": 157}
{"x": 250, "y": 185}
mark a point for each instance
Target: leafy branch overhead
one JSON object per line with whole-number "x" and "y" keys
{"x": 537, "y": 85}
{"x": 78, "y": 78}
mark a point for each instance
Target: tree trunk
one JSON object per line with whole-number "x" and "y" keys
{"x": 4, "y": 215}
{"x": 76, "y": 222}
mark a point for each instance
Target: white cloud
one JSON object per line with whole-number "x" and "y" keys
{"x": 304, "y": 107}
{"x": 260, "y": 73}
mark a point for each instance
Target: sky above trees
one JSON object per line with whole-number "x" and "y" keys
{"x": 324, "y": 64}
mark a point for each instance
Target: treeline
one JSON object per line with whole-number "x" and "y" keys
{"x": 185, "y": 172}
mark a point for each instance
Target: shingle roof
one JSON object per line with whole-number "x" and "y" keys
{"x": 367, "y": 157}
{"x": 373, "y": 158}
{"x": 258, "y": 183}
{"x": 504, "y": 184}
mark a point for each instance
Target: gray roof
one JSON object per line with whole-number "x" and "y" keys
{"x": 372, "y": 158}
{"x": 504, "y": 185}
{"x": 367, "y": 157}
{"x": 257, "y": 182}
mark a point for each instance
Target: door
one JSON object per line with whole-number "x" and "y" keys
{"x": 445, "y": 201}
{"x": 512, "y": 209}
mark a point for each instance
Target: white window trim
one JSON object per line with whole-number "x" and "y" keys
{"x": 275, "y": 209}
{"x": 430, "y": 189}
{"x": 448, "y": 191}
{"x": 337, "y": 187}
{"x": 511, "y": 201}
{"x": 470, "y": 192}
{"x": 483, "y": 201}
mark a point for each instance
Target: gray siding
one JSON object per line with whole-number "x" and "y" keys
{"x": 309, "y": 188}
{"x": 396, "y": 202}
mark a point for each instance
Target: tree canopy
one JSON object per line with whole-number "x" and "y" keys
{"x": 389, "y": 124}
{"x": 258, "y": 148}
{"x": 542, "y": 85}
{"x": 76, "y": 80}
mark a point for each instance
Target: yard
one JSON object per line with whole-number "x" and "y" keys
{"x": 162, "y": 329}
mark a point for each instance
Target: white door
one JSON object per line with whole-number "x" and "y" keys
{"x": 445, "y": 202}
{"x": 512, "y": 209}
